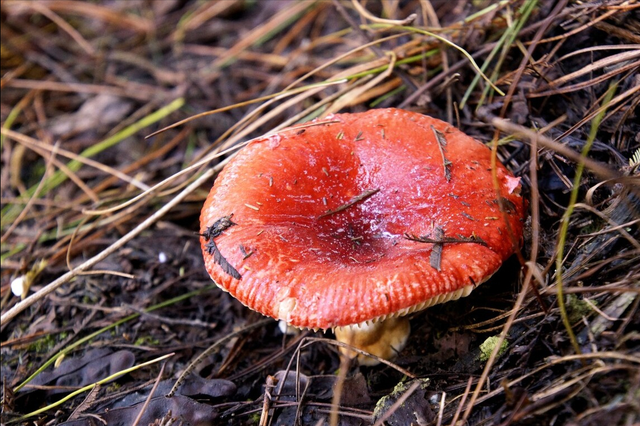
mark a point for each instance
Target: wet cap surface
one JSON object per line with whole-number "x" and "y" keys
{"x": 319, "y": 215}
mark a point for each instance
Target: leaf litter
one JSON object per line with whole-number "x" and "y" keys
{"x": 569, "y": 74}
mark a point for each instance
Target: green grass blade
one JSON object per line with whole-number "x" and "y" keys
{"x": 504, "y": 43}
{"x": 595, "y": 124}
{"x": 89, "y": 387}
{"x": 91, "y": 336}
{"x": 10, "y": 212}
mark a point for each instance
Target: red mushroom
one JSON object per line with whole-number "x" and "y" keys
{"x": 347, "y": 222}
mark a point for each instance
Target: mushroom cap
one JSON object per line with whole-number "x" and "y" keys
{"x": 321, "y": 213}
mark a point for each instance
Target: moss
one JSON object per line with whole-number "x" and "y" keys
{"x": 88, "y": 300}
{"x": 386, "y": 401}
{"x": 255, "y": 418}
{"x": 411, "y": 410}
{"x": 577, "y": 308}
{"x": 113, "y": 387}
{"x": 487, "y": 347}
{"x": 146, "y": 341}
{"x": 43, "y": 345}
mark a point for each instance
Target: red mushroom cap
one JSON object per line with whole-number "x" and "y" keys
{"x": 310, "y": 225}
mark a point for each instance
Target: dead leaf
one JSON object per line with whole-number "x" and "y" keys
{"x": 101, "y": 110}
{"x": 182, "y": 408}
{"x": 415, "y": 410}
{"x": 95, "y": 365}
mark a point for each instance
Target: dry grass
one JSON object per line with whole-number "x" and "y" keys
{"x": 99, "y": 223}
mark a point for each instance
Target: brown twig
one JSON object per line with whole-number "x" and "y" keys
{"x": 148, "y": 400}
{"x": 366, "y": 194}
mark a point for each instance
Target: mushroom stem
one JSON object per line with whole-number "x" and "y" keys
{"x": 381, "y": 338}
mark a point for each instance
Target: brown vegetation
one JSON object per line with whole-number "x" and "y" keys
{"x": 99, "y": 224}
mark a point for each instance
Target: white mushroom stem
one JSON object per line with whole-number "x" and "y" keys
{"x": 382, "y": 338}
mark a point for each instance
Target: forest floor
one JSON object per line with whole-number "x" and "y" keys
{"x": 105, "y": 300}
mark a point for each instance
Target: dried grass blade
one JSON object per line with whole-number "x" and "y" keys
{"x": 51, "y": 287}
{"x": 461, "y": 50}
{"x": 10, "y": 212}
